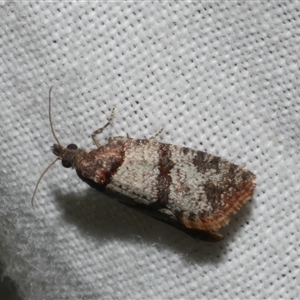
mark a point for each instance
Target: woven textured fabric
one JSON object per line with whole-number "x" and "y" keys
{"x": 218, "y": 77}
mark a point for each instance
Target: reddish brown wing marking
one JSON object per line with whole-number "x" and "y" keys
{"x": 200, "y": 189}
{"x": 222, "y": 188}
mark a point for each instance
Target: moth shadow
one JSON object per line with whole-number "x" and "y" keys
{"x": 104, "y": 218}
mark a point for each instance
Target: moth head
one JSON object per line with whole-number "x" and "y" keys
{"x": 66, "y": 155}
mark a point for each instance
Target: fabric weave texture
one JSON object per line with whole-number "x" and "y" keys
{"x": 218, "y": 77}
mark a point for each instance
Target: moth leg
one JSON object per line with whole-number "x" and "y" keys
{"x": 156, "y": 134}
{"x": 100, "y": 130}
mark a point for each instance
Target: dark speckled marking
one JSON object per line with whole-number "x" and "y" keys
{"x": 164, "y": 179}
{"x": 213, "y": 194}
{"x": 214, "y": 163}
{"x": 185, "y": 150}
{"x": 231, "y": 176}
{"x": 246, "y": 175}
{"x": 202, "y": 163}
{"x": 198, "y": 160}
{"x": 232, "y": 170}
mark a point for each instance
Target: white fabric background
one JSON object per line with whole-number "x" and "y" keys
{"x": 219, "y": 77}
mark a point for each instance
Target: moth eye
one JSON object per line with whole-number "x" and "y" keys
{"x": 65, "y": 163}
{"x": 72, "y": 147}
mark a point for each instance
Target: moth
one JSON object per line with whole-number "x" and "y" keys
{"x": 191, "y": 190}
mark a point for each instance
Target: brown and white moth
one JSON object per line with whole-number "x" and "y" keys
{"x": 191, "y": 190}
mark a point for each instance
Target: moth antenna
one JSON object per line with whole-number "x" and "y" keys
{"x": 38, "y": 182}
{"x": 50, "y": 118}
